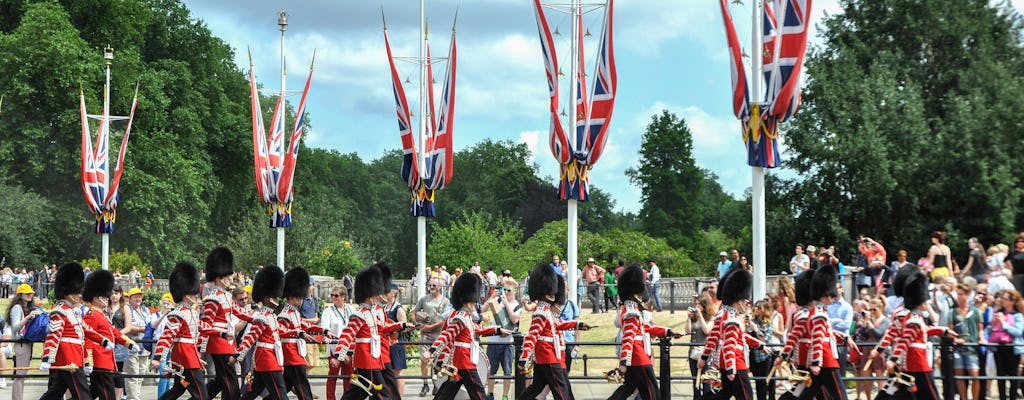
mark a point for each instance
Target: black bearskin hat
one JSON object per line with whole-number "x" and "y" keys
{"x": 466, "y": 289}
{"x": 69, "y": 280}
{"x": 219, "y": 263}
{"x": 184, "y": 280}
{"x": 631, "y": 284}
{"x": 98, "y": 284}
{"x": 735, "y": 286}
{"x": 802, "y": 288}
{"x": 296, "y": 283}
{"x": 385, "y": 276}
{"x": 901, "y": 278}
{"x": 560, "y": 294}
{"x": 369, "y": 283}
{"x": 267, "y": 284}
{"x": 543, "y": 283}
{"x": 915, "y": 290}
{"x": 823, "y": 284}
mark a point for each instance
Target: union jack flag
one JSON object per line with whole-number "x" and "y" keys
{"x": 783, "y": 53}
{"x": 440, "y": 158}
{"x": 581, "y": 147}
{"x": 261, "y": 158}
{"x": 101, "y": 196}
{"x": 410, "y": 167}
{"x": 110, "y": 202}
{"x": 275, "y": 147}
{"x": 559, "y": 144}
{"x": 603, "y": 97}
{"x": 284, "y": 185}
{"x": 740, "y": 97}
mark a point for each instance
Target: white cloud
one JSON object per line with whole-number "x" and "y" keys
{"x": 532, "y": 141}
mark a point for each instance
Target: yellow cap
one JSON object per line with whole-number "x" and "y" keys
{"x": 25, "y": 288}
{"x": 134, "y": 291}
{"x": 247, "y": 289}
{"x": 167, "y": 297}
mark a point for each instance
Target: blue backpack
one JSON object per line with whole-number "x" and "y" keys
{"x": 38, "y": 328}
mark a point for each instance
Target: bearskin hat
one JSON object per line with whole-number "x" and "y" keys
{"x": 69, "y": 280}
{"x": 369, "y": 283}
{"x": 823, "y": 284}
{"x": 219, "y": 263}
{"x": 98, "y": 284}
{"x": 560, "y": 294}
{"x": 802, "y": 288}
{"x": 915, "y": 290}
{"x": 543, "y": 283}
{"x": 901, "y": 278}
{"x": 184, "y": 280}
{"x": 735, "y": 286}
{"x": 385, "y": 275}
{"x": 631, "y": 284}
{"x": 296, "y": 283}
{"x": 466, "y": 289}
{"x": 267, "y": 284}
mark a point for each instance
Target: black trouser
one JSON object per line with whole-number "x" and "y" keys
{"x": 356, "y": 393}
{"x": 119, "y": 378}
{"x": 738, "y": 388}
{"x": 390, "y": 382}
{"x": 551, "y": 375}
{"x": 468, "y": 377}
{"x": 1006, "y": 365}
{"x": 925, "y": 388}
{"x": 594, "y": 294}
{"x": 613, "y": 300}
{"x": 65, "y": 381}
{"x": 192, "y": 380}
{"x": 827, "y": 380}
{"x": 765, "y": 390}
{"x": 638, "y": 378}
{"x": 101, "y": 384}
{"x": 225, "y": 379}
{"x": 272, "y": 381}
{"x": 296, "y": 381}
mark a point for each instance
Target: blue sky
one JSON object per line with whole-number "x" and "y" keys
{"x": 671, "y": 54}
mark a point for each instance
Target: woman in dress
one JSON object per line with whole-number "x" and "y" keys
{"x": 396, "y": 312}
{"x": 120, "y": 317}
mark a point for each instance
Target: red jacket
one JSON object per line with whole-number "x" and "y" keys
{"x": 823, "y": 350}
{"x": 218, "y": 335}
{"x": 181, "y": 330}
{"x": 385, "y": 339}
{"x": 636, "y": 336}
{"x": 892, "y": 334}
{"x": 458, "y": 340}
{"x": 101, "y": 357}
{"x": 730, "y": 341}
{"x": 263, "y": 334}
{"x": 797, "y": 340}
{"x": 65, "y": 344}
{"x": 544, "y": 328}
{"x": 361, "y": 340}
{"x": 290, "y": 329}
{"x": 913, "y": 352}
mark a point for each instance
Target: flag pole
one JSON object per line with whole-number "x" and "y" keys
{"x": 282, "y": 21}
{"x": 421, "y": 220}
{"x": 108, "y": 56}
{"x": 757, "y": 200}
{"x": 571, "y": 256}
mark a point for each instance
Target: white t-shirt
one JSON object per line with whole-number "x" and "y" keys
{"x": 492, "y": 278}
{"x": 798, "y": 263}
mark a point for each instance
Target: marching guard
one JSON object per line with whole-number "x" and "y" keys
{"x": 294, "y": 332}
{"x": 913, "y": 354}
{"x": 892, "y": 335}
{"x": 729, "y": 339}
{"x": 385, "y": 327}
{"x": 823, "y": 356}
{"x": 543, "y": 347}
{"x": 98, "y": 288}
{"x": 798, "y": 340}
{"x": 218, "y": 342}
{"x": 360, "y": 342}
{"x": 63, "y": 351}
{"x": 263, "y": 335}
{"x": 457, "y": 345}
{"x": 635, "y": 353}
{"x": 177, "y": 343}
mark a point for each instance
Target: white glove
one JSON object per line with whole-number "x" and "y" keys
{"x": 136, "y": 348}
{"x": 87, "y": 370}
{"x": 44, "y": 366}
{"x": 108, "y": 344}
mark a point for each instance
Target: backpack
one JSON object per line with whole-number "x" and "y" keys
{"x": 38, "y": 328}
{"x": 147, "y": 337}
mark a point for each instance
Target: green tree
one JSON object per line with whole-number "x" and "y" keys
{"x": 24, "y": 232}
{"x": 476, "y": 236}
{"x": 335, "y": 258}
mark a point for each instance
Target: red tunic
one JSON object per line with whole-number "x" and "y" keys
{"x": 892, "y": 334}
{"x": 101, "y": 357}
{"x": 823, "y": 351}
{"x": 361, "y": 340}
{"x": 65, "y": 344}
{"x": 544, "y": 329}
{"x": 636, "y": 336}
{"x": 290, "y": 329}
{"x": 731, "y": 341}
{"x": 913, "y": 352}
{"x": 217, "y": 333}
{"x": 263, "y": 334}
{"x": 460, "y": 333}
{"x": 385, "y": 340}
{"x": 181, "y": 330}
{"x": 798, "y": 341}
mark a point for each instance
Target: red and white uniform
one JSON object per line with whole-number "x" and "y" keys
{"x": 913, "y": 353}
{"x": 179, "y": 338}
{"x": 385, "y": 340}
{"x": 732, "y": 341}
{"x": 101, "y": 357}
{"x": 361, "y": 338}
{"x": 458, "y": 340}
{"x": 892, "y": 335}
{"x": 797, "y": 340}
{"x": 218, "y": 334}
{"x": 544, "y": 329}
{"x": 290, "y": 329}
{"x": 823, "y": 350}
{"x": 65, "y": 344}
{"x": 263, "y": 334}
{"x": 636, "y": 336}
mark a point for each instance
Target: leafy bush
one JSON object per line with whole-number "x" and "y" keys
{"x": 120, "y": 261}
{"x": 476, "y": 236}
{"x": 335, "y": 258}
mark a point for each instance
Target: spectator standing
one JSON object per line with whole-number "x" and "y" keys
{"x": 735, "y": 256}
{"x": 939, "y": 257}
{"x": 335, "y": 318}
{"x": 944, "y": 299}
{"x": 799, "y": 264}
{"x": 592, "y": 274}
{"x": 569, "y": 311}
{"x": 157, "y": 322}
{"x": 724, "y": 265}
{"x": 967, "y": 323}
{"x": 492, "y": 281}
{"x": 120, "y": 315}
{"x": 348, "y": 281}
{"x": 976, "y": 266}
{"x": 1015, "y": 262}
{"x": 812, "y": 256}
{"x": 20, "y": 312}
{"x": 1007, "y": 328}
{"x": 611, "y": 290}
{"x": 556, "y": 265}
{"x": 760, "y": 327}
{"x": 136, "y": 363}
{"x": 654, "y": 278}
{"x": 871, "y": 327}
{"x": 427, "y": 313}
{"x": 698, "y": 325}
{"x": 309, "y": 311}
{"x": 396, "y": 313}
{"x": 6, "y": 278}
{"x": 840, "y": 315}
{"x": 506, "y": 311}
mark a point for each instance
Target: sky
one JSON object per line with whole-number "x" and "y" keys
{"x": 671, "y": 55}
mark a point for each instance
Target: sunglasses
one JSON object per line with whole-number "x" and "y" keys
{"x": 508, "y": 289}
{"x": 335, "y": 295}
{"x": 431, "y": 285}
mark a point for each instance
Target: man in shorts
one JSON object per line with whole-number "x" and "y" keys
{"x": 506, "y": 310}
{"x": 427, "y": 313}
